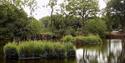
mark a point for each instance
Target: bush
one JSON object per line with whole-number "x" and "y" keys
{"x": 86, "y": 39}
{"x": 11, "y": 50}
{"x": 68, "y": 38}
{"x": 40, "y": 49}
{"x": 89, "y": 39}
{"x": 96, "y": 26}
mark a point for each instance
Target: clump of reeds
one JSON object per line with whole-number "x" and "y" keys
{"x": 37, "y": 49}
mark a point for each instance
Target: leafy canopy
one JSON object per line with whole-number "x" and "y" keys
{"x": 116, "y": 14}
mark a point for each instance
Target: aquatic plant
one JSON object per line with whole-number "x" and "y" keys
{"x": 89, "y": 39}
{"x": 11, "y": 50}
{"x": 68, "y": 38}
{"x": 39, "y": 49}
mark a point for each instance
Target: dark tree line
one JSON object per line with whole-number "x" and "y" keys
{"x": 116, "y": 14}
{"x": 14, "y": 23}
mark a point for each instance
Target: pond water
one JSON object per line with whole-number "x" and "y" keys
{"x": 111, "y": 52}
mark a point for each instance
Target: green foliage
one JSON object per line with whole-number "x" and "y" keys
{"x": 52, "y": 3}
{"x": 115, "y": 14}
{"x": 34, "y": 26}
{"x": 68, "y": 38}
{"x": 45, "y": 24}
{"x": 13, "y": 22}
{"x": 96, "y": 26}
{"x": 32, "y": 4}
{"x": 70, "y": 25}
{"x": 11, "y": 46}
{"x": 89, "y": 39}
{"x": 82, "y": 8}
{"x": 37, "y": 48}
{"x": 62, "y": 25}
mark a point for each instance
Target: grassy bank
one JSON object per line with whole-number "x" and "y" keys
{"x": 49, "y": 49}
{"x": 38, "y": 49}
{"x": 88, "y": 39}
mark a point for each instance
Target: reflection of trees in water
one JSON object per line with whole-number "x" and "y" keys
{"x": 115, "y": 53}
{"x": 112, "y": 58}
{"x": 121, "y": 58}
{"x": 88, "y": 56}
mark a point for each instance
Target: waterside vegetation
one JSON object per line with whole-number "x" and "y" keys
{"x": 83, "y": 39}
{"x": 64, "y": 48}
{"x": 39, "y": 49}
{"x": 55, "y": 36}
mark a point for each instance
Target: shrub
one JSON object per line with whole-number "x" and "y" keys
{"x": 68, "y": 38}
{"x": 86, "y": 39}
{"x": 96, "y": 26}
{"x": 89, "y": 39}
{"x": 11, "y": 50}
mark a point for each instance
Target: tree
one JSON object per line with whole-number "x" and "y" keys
{"x": 116, "y": 14}
{"x": 62, "y": 25}
{"x": 52, "y": 4}
{"x": 58, "y": 24}
{"x": 13, "y": 22}
{"x": 96, "y": 26}
{"x": 82, "y": 8}
{"x": 45, "y": 24}
{"x": 31, "y": 4}
{"x": 34, "y": 26}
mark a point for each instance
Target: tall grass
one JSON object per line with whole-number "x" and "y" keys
{"x": 42, "y": 49}
{"x": 11, "y": 50}
{"x": 90, "y": 39}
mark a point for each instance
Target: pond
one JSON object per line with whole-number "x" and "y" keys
{"x": 111, "y": 52}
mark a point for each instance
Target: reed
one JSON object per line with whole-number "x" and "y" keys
{"x": 40, "y": 49}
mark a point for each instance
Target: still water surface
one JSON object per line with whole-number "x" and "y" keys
{"x": 111, "y": 52}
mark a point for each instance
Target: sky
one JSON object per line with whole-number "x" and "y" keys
{"x": 43, "y": 10}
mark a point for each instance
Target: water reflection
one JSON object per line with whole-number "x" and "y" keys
{"x": 109, "y": 54}
{"x": 79, "y": 55}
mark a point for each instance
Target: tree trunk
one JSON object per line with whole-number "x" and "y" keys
{"x": 52, "y": 18}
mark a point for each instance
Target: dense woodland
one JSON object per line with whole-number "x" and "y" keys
{"x": 75, "y": 17}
